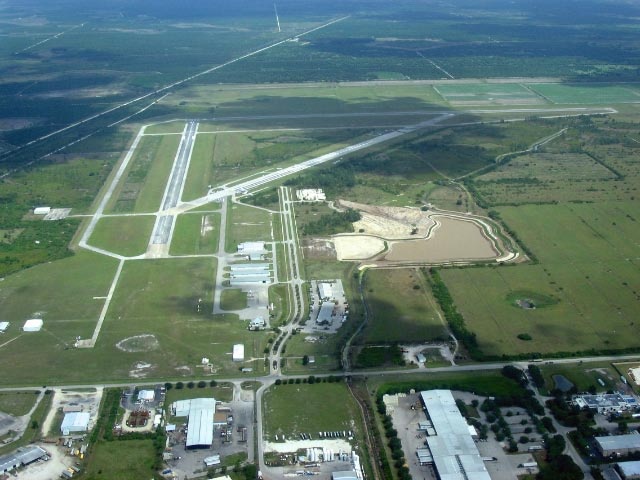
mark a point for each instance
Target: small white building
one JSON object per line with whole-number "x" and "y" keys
{"x": 311, "y": 195}
{"x": 325, "y": 291}
{"x": 33, "y": 325}
{"x": 212, "y": 460}
{"x": 238, "y": 352}
{"x": 75, "y": 422}
{"x": 42, "y": 210}
{"x": 257, "y": 323}
{"x": 146, "y": 395}
{"x": 4, "y": 326}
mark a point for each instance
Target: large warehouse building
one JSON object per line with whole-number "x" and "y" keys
{"x": 618, "y": 444}
{"x": 455, "y": 454}
{"x": 200, "y": 426}
{"x": 75, "y": 422}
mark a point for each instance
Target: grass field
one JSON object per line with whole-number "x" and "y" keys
{"x": 195, "y": 234}
{"x": 400, "y": 307}
{"x": 587, "y": 94}
{"x": 300, "y": 408}
{"x": 594, "y": 280}
{"x": 488, "y": 94}
{"x": 583, "y": 376}
{"x": 127, "y": 460}
{"x": 141, "y": 189}
{"x": 233, "y": 299}
{"x": 127, "y": 236}
{"x": 201, "y": 168}
{"x": 246, "y": 224}
{"x": 17, "y": 403}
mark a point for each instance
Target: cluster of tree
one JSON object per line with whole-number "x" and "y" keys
{"x": 514, "y": 373}
{"x": 454, "y": 318}
{"x": 264, "y": 198}
{"x": 332, "y": 181}
{"x": 399, "y": 460}
{"x": 376, "y": 356}
{"x": 181, "y": 385}
{"x": 536, "y": 375}
{"x": 335, "y": 222}
{"x": 558, "y": 466}
{"x": 311, "y": 379}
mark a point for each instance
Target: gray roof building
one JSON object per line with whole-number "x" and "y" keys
{"x": 618, "y": 444}
{"x": 200, "y": 426}
{"x": 22, "y": 456}
{"x": 629, "y": 470}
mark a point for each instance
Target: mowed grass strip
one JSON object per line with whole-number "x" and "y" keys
{"x": 584, "y": 94}
{"x": 142, "y": 188}
{"x": 195, "y": 234}
{"x": 128, "y": 236}
{"x": 593, "y": 280}
{"x": 201, "y": 167}
{"x": 304, "y": 408}
{"x": 401, "y": 309}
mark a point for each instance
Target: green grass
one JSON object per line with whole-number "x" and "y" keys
{"x": 31, "y": 434}
{"x": 583, "y": 375}
{"x": 201, "y": 167}
{"x": 484, "y": 383}
{"x": 300, "y": 408}
{"x": 141, "y": 190}
{"x": 246, "y": 224}
{"x": 587, "y": 94}
{"x": 128, "y": 236}
{"x": 592, "y": 280}
{"x": 233, "y": 299}
{"x": 400, "y": 307}
{"x": 17, "y": 403}
{"x": 488, "y": 94}
{"x": 195, "y": 234}
{"x": 126, "y": 460}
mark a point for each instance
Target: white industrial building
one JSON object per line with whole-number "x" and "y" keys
{"x": 606, "y": 403}
{"x": 238, "y": 352}
{"x": 454, "y": 452}
{"x": 4, "y": 326}
{"x": 146, "y": 395}
{"x": 325, "y": 291}
{"x": 41, "y": 210}
{"x": 310, "y": 195}
{"x": 33, "y": 325}
{"x": 75, "y": 422}
{"x": 254, "y": 250}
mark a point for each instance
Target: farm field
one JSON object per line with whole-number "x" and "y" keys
{"x": 127, "y": 236}
{"x": 401, "y": 309}
{"x": 591, "y": 281}
{"x": 196, "y": 234}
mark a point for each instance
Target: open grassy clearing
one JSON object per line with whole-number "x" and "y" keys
{"x": 300, "y": 408}
{"x": 584, "y": 376}
{"x": 246, "y": 224}
{"x": 17, "y": 403}
{"x": 141, "y": 189}
{"x": 233, "y": 299}
{"x": 128, "y": 236}
{"x": 201, "y": 168}
{"x": 128, "y": 460}
{"x": 31, "y": 434}
{"x": 587, "y": 94}
{"x": 482, "y": 383}
{"x": 488, "y": 94}
{"x": 195, "y": 234}
{"x": 401, "y": 310}
{"x": 595, "y": 281}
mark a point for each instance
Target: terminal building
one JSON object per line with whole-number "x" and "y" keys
{"x": 452, "y": 449}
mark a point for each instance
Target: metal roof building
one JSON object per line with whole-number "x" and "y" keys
{"x": 238, "y": 352}
{"x": 454, "y": 452}
{"x": 200, "y": 427}
{"x": 22, "y": 456}
{"x": 237, "y": 267}
{"x": 325, "y": 290}
{"x": 629, "y": 470}
{"x": 4, "y": 326}
{"x": 75, "y": 422}
{"x": 33, "y": 325}
{"x": 344, "y": 475}
{"x": 618, "y": 444}
{"x": 326, "y": 312}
